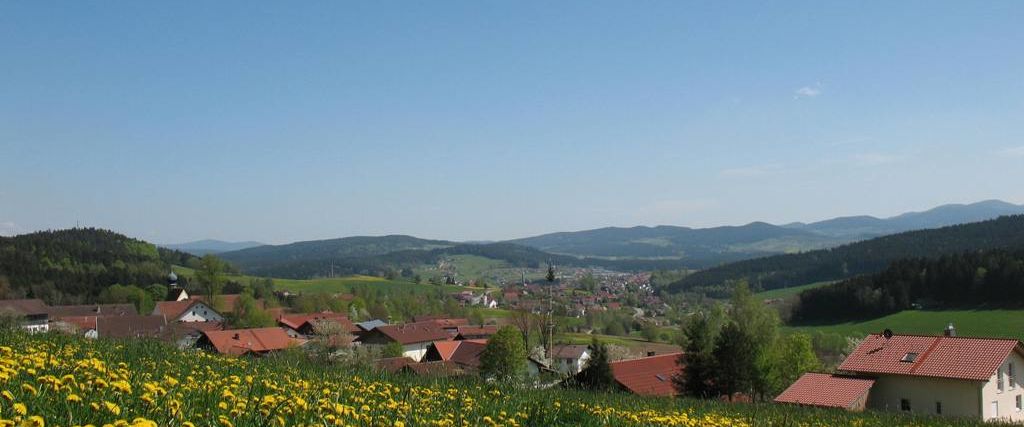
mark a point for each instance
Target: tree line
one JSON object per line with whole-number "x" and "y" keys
{"x": 993, "y": 278}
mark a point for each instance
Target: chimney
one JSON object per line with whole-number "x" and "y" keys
{"x": 950, "y": 330}
{"x": 235, "y": 337}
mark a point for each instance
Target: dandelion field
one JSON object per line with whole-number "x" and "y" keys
{"x": 59, "y": 380}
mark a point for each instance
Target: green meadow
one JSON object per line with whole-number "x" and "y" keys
{"x": 976, "y": 323}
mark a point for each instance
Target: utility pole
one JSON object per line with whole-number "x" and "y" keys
{"x": 551, "y": 311}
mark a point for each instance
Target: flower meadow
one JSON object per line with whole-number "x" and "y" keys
{"x": 56, "y": 380}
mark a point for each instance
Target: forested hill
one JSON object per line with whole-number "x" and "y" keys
{"x": 854, "y": 259}
{"x": 992, "y": 278}
{"x": 75, "y": 265}
{"x": 513, "y": 255}
{"x": 270, "y": 256}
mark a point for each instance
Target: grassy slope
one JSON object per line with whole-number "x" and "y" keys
{"x": 789, "y": 292}
{"x": 982, "y": 323}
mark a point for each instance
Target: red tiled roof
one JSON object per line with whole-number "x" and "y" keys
{"x": 412, "y": 333}
{"x": 648, "y": 376}
{"x": 434, "y": 369}
{"x": 61, "y": 311}
{"x": 445, "y": 349}
{"x": 824, "y": 390}
{"x": 467, "y": 354}
{"x": 393, "y": 364}
{"x": 936, "y": 356}
{"x": 83, "y": 323}
{"x": 130, "y": 326}
{"x": 296, "y": 321}
{"x": 568, "y": 351}
{"x": 242, "y": 341}
{"x": 24, "y": 307}
{"x": 449, "y": 323}
{"x": 476, "y": 331}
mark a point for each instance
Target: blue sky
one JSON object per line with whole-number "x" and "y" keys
{"x": 489, "y": 120}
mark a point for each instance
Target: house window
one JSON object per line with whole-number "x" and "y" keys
{"x": 995, "y": 409}
{"x": 1012, "y": 374}
{"x": 905, "y": 405}
{"x": 999, "y": 380}
{"x": 938, "y": 408}
{"x": 1019, "y": 403}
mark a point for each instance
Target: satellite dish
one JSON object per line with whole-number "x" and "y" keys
{"x": 887, "y": 333}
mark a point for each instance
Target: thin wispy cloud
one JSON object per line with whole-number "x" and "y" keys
{"x": 8, "y": 228}
{"x": 750, "y": 171}
{"x": 811, "y": 91}
{"x": 874, "y": 159}
{"x": 1012, "y": 151}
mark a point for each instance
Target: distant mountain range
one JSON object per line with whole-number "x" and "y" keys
{"x": 868, "y": 256}
{"x": 210, "y": 246}
{"x": 635, "y": 248}
{"x": 758, "y": 238}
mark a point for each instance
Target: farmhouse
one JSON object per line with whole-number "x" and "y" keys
{"x": 938, "y": 375}
{"x": 317, "y": 324}
{"x": 415, "y": 338}
{"x": 237, "y": 342}
{"x": 648, "y": 376}
{"x": 569, "y": 359}
{"x": 34, "y": 313}
{"x": 464, "y": 354}
{"x": 475, "y": 332}
{"x": 189, "y": 310}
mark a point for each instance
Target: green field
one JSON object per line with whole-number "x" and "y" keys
{"x": 337, "y": 284}
{"x": 979, "y": 323}
{"x": 788, "y": 292}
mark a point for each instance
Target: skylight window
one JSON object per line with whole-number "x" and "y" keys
{"x": 661, "y": 377}
{"x": 909, "y": 357}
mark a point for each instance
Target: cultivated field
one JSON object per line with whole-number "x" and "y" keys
{"x": 67, "y": 381}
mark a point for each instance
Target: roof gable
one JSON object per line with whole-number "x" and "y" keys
{"x": 241, "y": 341}
{"x": 649, "y": 376}
{"x": 412, "y": 333}
{"x": 962, "y": 358}
{"x": 824, "y": 390}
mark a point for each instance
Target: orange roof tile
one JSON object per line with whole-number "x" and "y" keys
{"x": 648, "y": 376}
{"x": 412, "y": 333}
{"x": 175, "y": 309}
{"x": 824, "y": 390}
{"x": 242, "y": 341}
{"x": 930, "y": 356}
{"x": 445, "y": 349}
{"x": 296, "y": 321}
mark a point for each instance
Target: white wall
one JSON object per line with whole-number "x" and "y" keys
{"x": 415, "y": 351}
{"x": 200, "y": 312}
{"x": 1007, "y": 398}
{"x": 958, "y": 397}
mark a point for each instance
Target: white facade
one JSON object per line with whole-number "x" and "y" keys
{"x": 416, "y": 351}
{"x": 572, "y": 366}
{"x": 200, "y": 312}
{"x": 990, "y": 400}
{"x": 33, "y": 326}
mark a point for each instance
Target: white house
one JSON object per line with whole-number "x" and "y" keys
{"x": 189, "y": 310}
{"x": 936, "y": 375}
{"x": 569, "y": 359}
